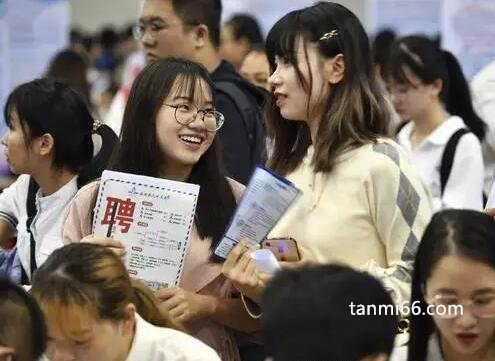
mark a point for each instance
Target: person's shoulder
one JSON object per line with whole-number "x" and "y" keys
{"x": 18, "y": 190}
{"x": 235, "y": 185}
{"x": 87, "y": 192}
{"x": 382, "y": 153}
{"x": 384, "y": 162}
{"x": 470, "y": 141}
{"x": 22, "y": 182}
{"x": 179, "y": 346}
{"x": 20, "y": 187}
{"x": 404, "y": 131}
{"x": 455, "y": 124}
{"x": 484, "y": 76}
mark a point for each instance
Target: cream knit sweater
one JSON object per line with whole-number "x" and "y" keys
{"x": 369, "y": 212}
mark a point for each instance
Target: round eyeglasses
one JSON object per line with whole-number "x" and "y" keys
{"x": 450, "y": 306}
{"x": 186, "y": 114}
{"x": 155, "y": 27}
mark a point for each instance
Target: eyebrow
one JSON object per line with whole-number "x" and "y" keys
{"x": 151, "y": 19}
{"x": 446, "y": 290}
{"x": 484, "y": 291}
{"x": 179, "y": 97}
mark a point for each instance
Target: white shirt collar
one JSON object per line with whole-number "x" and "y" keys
{"x": 141, "y": 345}
{"x": 166, "y": 344}
{"x": 434, "y": 352}
{"x": 440, "y": 136}
{"x": 67, "y": 191}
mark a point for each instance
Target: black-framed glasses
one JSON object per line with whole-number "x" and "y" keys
{"x": 155, "y": 27}
{"x": 186, "y": 114}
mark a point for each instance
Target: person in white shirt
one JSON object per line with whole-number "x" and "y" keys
{"x": 95, "y": 312}
{"x": 49, "y": 142}
{"x": 483, "y": 90}
{"x": 453, "y": 290}
{"x": 428, "y": 88}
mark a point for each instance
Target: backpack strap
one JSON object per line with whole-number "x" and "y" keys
{"x": 448, "y": 157}
{"x": 245, "y": 107}
{"x": 31, "y": 213}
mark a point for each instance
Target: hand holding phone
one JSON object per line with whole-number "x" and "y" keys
{"x": 284, "y": 249}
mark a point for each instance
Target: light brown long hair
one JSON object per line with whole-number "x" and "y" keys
{"x": 92, "y": 278}
{"x": 354, "y": 114}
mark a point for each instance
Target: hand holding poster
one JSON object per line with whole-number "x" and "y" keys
{"x": 153, "y": 218}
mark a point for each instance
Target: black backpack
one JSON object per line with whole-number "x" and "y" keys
{"x": 251, "y": 117}
{"x": 88, "y": 173}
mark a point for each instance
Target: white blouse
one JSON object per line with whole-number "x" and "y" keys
{"x": 464, "y": 188}
{"x": 47, "y": 224}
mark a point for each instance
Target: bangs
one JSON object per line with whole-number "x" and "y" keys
{"x": 67, "y": 305}
{"x": 70, "y": 320}
{"x": 282, "y": 39}
{"x": 7, "y": 111}
{"x": 16, "y": 102}
{"x": 193, "y": 87}
{"x": 399, "y": 61}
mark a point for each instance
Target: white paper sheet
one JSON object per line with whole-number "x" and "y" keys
{"x": 153, "y": 218}
{"x": 266, "y": 199}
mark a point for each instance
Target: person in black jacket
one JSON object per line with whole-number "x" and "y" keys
{"x": 191, "y": 29}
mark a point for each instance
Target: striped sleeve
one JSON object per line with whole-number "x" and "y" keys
{"x": 10, "y": 200}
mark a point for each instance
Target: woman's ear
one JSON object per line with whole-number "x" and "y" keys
{"x": 129, "y": 319}
{"x": 45, "y": 144}
{"x": 334, "y": 69}
{"x": 436, "y": 87}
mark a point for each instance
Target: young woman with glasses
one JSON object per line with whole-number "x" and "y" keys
{"x": 453, "y": 290}
{"x": 169, "y": 132}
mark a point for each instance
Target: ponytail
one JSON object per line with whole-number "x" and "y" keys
{"x": 94, "y": 169}
{"x": 458, "y": 97}
{"x": 429, "y": 63}
{"x": 148, "y": 309}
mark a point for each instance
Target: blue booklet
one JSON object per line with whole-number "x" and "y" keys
{"x": 266, "y": 199}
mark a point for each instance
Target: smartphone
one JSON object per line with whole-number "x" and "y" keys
{"x": 284, "y": 249}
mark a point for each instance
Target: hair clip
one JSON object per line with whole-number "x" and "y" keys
{"x": 329, "y": 35}
{"x": 409, "y": 53}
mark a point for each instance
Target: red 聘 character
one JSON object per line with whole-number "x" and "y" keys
{"x": 121, "y": 210}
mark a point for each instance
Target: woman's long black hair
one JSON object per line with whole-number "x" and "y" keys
{"x": 140, "y": 152}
